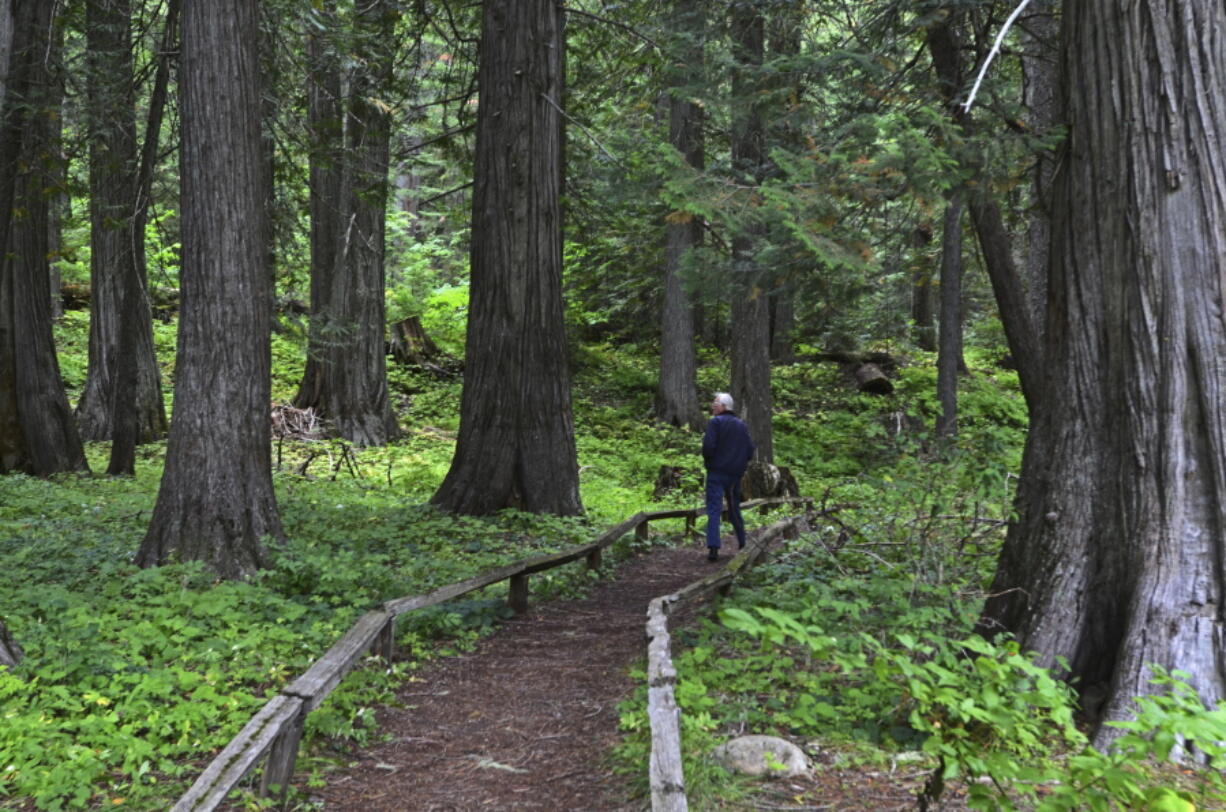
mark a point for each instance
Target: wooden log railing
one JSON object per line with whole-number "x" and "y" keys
{"x": 666, "y": 774}
{"x": 274, "y": 732}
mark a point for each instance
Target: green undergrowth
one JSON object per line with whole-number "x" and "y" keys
{"x": 134, "y": 678}
{"x": 858, "y": 642}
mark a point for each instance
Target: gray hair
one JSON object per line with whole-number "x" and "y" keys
{"x": 726, "y": 400}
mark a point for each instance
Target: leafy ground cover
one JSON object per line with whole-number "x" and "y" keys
{"x": 856, "y": 639}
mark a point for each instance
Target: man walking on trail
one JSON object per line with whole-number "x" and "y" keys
{"x": 726, "y": 451}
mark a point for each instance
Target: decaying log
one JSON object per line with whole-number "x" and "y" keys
{"x": 871, "y": 379}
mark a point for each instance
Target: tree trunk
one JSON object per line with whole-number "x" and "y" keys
{"x": 325, "y": 127}
{"x": 949, "y": 355}
{"x": 1041, "y": 95}
{"x": 1023, "y": 333}
{"x": 132, "y": 377}
{"x": 118, "y": 296}
{"x": 351, "y": 378}
{"x": 517, "y": 441}
{"x": 1115, "y": 561}
{"x": 216, "y": 503}
{"x": 37, "y": 432}
{"x": 751, "y": 337}
{"x": 922, "y": 324}
{"x": 677, "y": 394}
{"x": 783, "y": 324}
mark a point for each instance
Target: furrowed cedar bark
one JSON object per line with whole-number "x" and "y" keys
{"x": 516, "y": 446}
{"x": 37, "y": 432}
{"x": 1116, "y": 559}
{"x": 216, "y": 502}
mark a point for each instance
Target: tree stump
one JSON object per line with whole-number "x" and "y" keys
{"x": 10, "y": 652}
{"x": 669, "y": 479}
{"x": 410, "y": 344}
{"x": 765, "y": 481}
{"x": 870, "y": 378}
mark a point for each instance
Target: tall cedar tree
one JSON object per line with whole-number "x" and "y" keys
{"x": 517, "y": 440}
{"x": 216, "y": 503}
{"x": 118, "y": 302}
{"x": 677, "y": 393}
{"x": 346, "y": 374}
{"x": 1116, "y": 558}
{"x": 751, "y": 340}
{"x": 38, "y": 434}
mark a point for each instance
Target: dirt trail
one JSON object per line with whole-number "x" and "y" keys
{"x": 526, "y": 720}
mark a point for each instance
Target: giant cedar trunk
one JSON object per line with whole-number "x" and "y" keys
{"x": 37, "y": 432}
{"x": 517, "y": 442}
{"x": 677, "y": 395}
{"x": 1116, "y": 559}
{"x": 751, "y": 336}
{"x": 216, "y": 501}
{"x": 350, "y": 377}
{"x": 117, "y": 284}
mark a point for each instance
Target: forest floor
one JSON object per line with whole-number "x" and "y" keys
{"x": 526, "y": 721}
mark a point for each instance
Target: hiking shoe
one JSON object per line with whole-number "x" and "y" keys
{"x": 713, "y": 554}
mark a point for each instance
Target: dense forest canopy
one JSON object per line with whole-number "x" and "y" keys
{"x": 384, "y": 200}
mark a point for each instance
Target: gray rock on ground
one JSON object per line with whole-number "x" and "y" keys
{"x": 749, "y": 755}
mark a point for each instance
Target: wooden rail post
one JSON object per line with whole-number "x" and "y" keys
{"x": 594, "y": 559}
{"x": 385, "y": 643}
{"x": 282, "y": 756}
{"x": 518, "y": 598}
{"x": 641, "y": 533}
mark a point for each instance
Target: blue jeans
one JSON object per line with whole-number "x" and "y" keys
{"x": 721, "y": 488}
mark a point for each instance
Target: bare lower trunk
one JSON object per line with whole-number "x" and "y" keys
{"x": 37, "y": 432}
{"x": 350, "y": 369}
{"x": 216, "y": 502}
{"x": 1116, "y": 560}
{"x": 120, "y": 328}
{"x": 517, "y": 444}
{"x": 677, "y": 394}
{"x": 750, "y": 322}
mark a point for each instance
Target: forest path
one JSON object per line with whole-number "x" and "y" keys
{"x": 527, "y": 719}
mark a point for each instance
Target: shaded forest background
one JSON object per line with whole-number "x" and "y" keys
{"x": 485, "y": 264}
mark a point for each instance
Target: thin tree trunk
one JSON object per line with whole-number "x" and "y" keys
{"x": 517, "y": 442}
{"x": 949, "y": 355}
{"x": 1116, "y": 559}
{"x": 325, "y": 125}
{"x": 131, "y": 376}
{"x": 37, "y": 432}
{"x": 1023, "y": 334}
{"x": 121, "y": 331}
{"x": 677, "y": 394}
{"x": 751, "y": 340}
{"x": 216, "y": 502}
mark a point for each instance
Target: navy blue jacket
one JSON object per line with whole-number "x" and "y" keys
{"x": 726, "y": 445}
